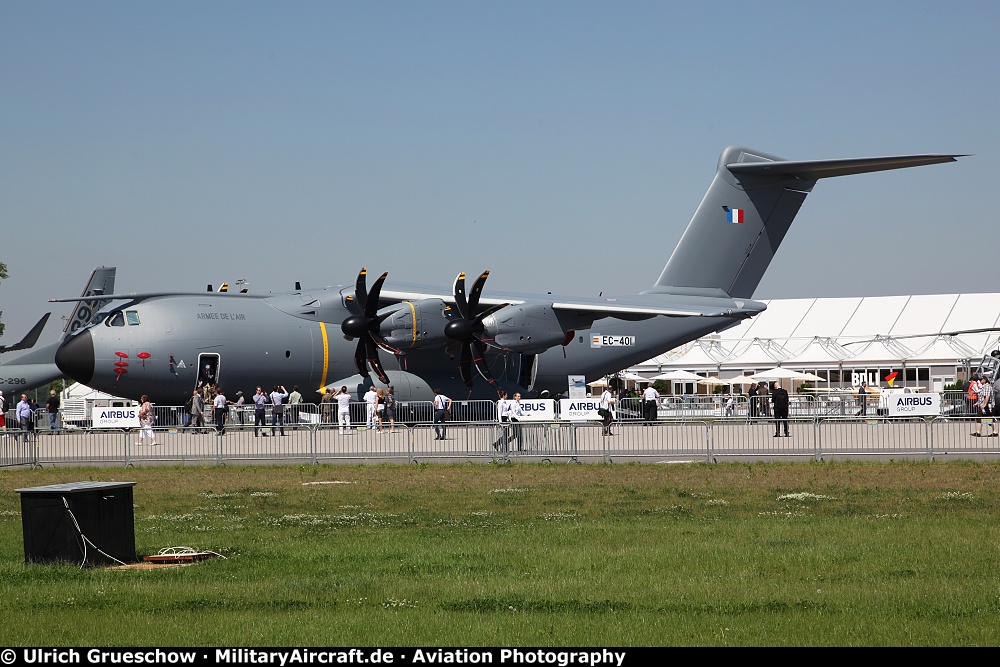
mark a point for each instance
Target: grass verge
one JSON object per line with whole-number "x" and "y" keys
{"x": 495, "y": 555}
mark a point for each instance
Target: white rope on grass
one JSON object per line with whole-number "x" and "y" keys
{"x": 86, "y": 540}
{"x": 185, "y": 551}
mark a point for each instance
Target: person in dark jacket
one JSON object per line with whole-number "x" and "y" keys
{"x": 779, "y": 401}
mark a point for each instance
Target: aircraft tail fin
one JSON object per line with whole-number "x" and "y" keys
{"x": 745, "y": 214}
{"x": 30, "y": 339}
{"x": 102, "y": 281}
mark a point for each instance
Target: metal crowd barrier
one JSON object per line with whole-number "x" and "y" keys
{"x": 665, "y": 440}
{"x": 695, "y": 407}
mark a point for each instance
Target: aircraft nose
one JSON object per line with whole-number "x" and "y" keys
{"x": 75, "y": 357}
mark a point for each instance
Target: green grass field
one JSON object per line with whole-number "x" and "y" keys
{"x": 495, "y": 555}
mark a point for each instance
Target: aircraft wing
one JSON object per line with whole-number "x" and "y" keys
{"x": 30, "y": 339}
{"x": 628, "y": 307}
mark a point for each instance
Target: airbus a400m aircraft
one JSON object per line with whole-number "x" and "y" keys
{"x": 418, "y": 338}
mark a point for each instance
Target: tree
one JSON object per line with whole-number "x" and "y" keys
{"x": 663, "y": 386}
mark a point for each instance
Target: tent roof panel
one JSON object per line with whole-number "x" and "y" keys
{"x": 780, "y": 319}
{"x": 973, "y": 311}
{"x": 924, "y": 313}
{"x": 828, "y": 317}
{"x": 875, "y": 315}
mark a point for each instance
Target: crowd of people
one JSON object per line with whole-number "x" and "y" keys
{"x": 25, "y": 409}
{"x": 285, "y": 409}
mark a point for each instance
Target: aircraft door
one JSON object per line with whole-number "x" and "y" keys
{"x": 209, "y": 366}
{"x": 528, "y": 371}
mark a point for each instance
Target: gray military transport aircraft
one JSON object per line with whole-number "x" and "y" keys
{"x": 38, "y": 367}
{"x": 418, "y": 338}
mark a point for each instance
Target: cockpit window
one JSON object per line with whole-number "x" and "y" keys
{"x": 133, "y": 317}
{"x": 115, "y": 319}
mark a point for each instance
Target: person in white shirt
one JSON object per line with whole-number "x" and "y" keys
{"x": 650, "y": 404}
{"x": 608, "y": 411}
{"x": 294, "y": 399}
{"x": 371, "y": 402}
{"x": 343, "y": 399}
{"x": 503, "y": 419}
{"x": 277, "y": 409}
{"x": 441, "y": 406}
{"x": 515, "y": 413}
{"x": 221, "y": 407}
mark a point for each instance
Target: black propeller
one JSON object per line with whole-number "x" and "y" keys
{"x": 364, "y": 324}
{"x": 468, "y": 328}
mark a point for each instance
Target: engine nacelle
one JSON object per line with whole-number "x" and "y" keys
{"x": 415, "y": 324}
{"x": 526, "y": 328}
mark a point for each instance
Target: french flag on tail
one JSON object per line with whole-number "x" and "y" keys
{"x": 734, "y": 215}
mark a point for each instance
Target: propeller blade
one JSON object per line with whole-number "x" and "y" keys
{"x": 380, "y": 339}
{"x": 468, "y": 328}
{"x": 489, "y": 311}
{"x": 364, "y": 324}
{"x": 477, "y": 290}
{"x": 361, "y": 290}
{"x": 479, "y": 359}
{"x": 371, "y": 308}
{"x": 359, "y": 358}
{"x": 460, "y": 301}
{"x": 374, "y": 361}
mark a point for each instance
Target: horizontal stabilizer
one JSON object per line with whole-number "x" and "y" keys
{"x": 29, "y": 340}
{"x": 812, "y": 169}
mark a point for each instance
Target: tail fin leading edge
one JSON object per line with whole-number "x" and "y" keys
{"x": 744, "y": 216}
{"x": 102, "y": 281}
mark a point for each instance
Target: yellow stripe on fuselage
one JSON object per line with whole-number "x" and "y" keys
{"x": 326, "y": 354}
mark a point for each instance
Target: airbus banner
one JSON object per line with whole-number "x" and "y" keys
{"x": 914, "y": 405}
{"x": 541, "y": 410}
{"x": 579, "y": 409}
{"x": 127, "y": 417}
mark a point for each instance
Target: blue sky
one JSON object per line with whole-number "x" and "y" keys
{"x": 563, "y": 145}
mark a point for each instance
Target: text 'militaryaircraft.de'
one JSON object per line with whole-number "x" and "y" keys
{"x": 418, "y": 338}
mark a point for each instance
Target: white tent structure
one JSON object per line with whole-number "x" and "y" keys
{"x": 678, "y": 376}
{"x": 928, "y": 339}
{"x": 778, "y": 373}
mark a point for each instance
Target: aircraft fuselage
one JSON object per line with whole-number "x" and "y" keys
{"x": 160, "y": 347}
